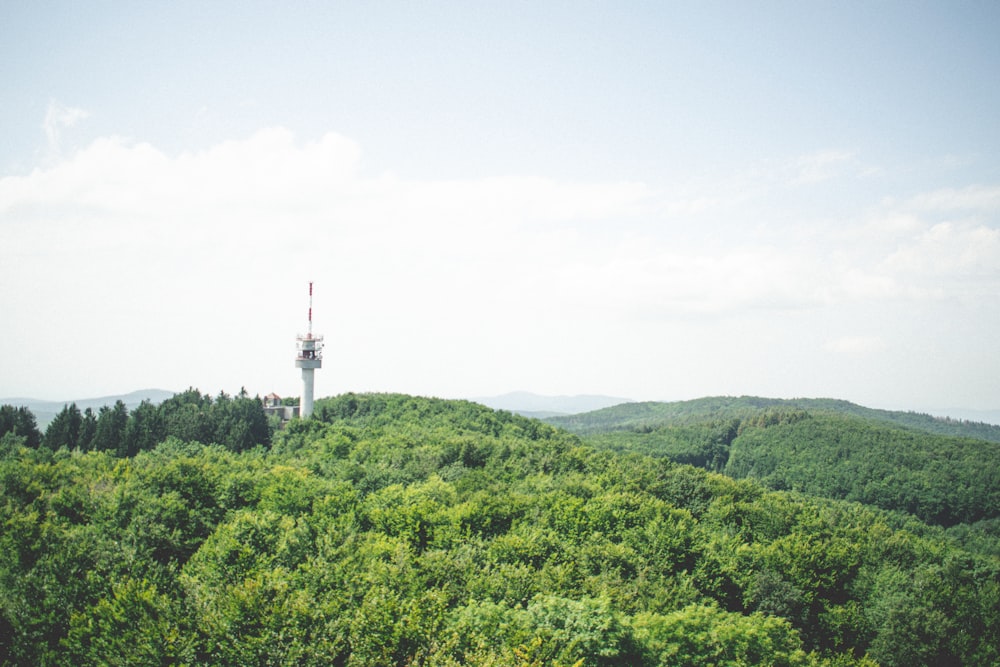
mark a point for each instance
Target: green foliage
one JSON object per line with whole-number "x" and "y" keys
{"x": 20, "y": 422}
{"x": 64, "y": 429}
{"x": 235, "y": 423}
{"x": 705, "y": 635}
{"x": 941, "y": 480}
{"x": 135, "y": 624}
{"x": 896, "y": 461}
{"x": 638, "y": 416}
{"x": 109, "y": 432}
{"x": 395, "y": 530}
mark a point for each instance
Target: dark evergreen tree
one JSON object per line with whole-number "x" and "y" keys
{"x": 20, "y": 421}
{"x": 242, "y": 423}
{"x": 187, "y": 416}
{"x": 64, "y": 430}
{"x": 88, "y": 429}
{"x": 111, "y": 425}
{"x": 145, "y": 429}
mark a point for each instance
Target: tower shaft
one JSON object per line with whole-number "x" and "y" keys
{"x": 309, "y": 358}
{"x": 306, "y": 403}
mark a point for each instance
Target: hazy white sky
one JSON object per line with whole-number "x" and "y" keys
{"x": 649, "y": 200}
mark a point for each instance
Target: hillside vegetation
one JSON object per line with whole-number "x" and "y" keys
{"x": 927, "y": 467}
{"x": 393, "y": 530}
{"x": 636, "y": 416}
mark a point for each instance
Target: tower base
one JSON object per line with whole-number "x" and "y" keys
{"x": 306, "y": 404}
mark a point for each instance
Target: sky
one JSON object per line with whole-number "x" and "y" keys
{"x": 651, "y": 200}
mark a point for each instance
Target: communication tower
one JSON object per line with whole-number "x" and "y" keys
{"x": 309, "y": 358}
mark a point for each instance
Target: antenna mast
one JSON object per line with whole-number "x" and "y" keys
{"x": 309, "y": 358}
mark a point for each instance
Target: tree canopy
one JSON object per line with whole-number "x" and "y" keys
{"x": 237, "y": 423}
{"x": 826, "y": 448}
{"x": 395, "y": 530}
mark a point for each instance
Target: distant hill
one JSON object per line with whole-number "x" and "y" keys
{"x": 986, "y": 416}
{"x": 646, "y": 414}
{"x": 943, "y": 471}
{"x": 45, "y": 411}
{"x": 528, "y": 404}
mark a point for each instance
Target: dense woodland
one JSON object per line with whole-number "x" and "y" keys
{"x": 393, "y": 530}
{"x": 235, "y": 423}
{"x": 637, "y": 416}
{"x": 943, "y": 471}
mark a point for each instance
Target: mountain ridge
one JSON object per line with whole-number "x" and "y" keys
{"x": 654, "y": 413}
{"x": 45, "y": 411}
{"x": 529, "y": 404}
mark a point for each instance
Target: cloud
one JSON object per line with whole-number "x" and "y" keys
{"x": 647, "y": 278}
{"x": 946, "y": 249}
{"x": 57, "y": 118}
{"x": 274, "y": 202}
{"x": 856, "y": 346}
{"x": 120, "y": 210}
{"x": 189, "y": 265}
{"x": 948, "y": 237}
{"x": 975, "y": 198}
{"x": 818, "y": 167}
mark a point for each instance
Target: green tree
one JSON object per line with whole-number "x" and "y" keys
{"x": 145, "y": 429}
{"x": 707, "y": 635}
{"x": 64, "y": 429}
{"x": 109, "y": 436}
{"x": 240, "y": 423}
{"x": 187, "y": 416}
{"x": 134, "y": 625}
{"x": 20, "y": 421}
{"x": 88, "y": 429}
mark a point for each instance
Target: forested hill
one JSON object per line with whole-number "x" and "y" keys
{"x": 633, "y": 416}
{"x": 392, "y": 530}
{"x": 896, "y": 461}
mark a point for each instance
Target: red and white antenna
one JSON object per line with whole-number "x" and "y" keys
{"x": 309, "y": 358}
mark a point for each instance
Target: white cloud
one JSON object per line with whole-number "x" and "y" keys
{"x": 973, "y": 198}
{"x": 952, "y": 250}
{"x": 58, "y": 118}
{"x": 855, "y": 346}
{"x": 948, "y": 236}
{"x": 198, "y": 256}
{"x": 120, "y": 233}
{"x": 818, "y": 167}
{"x": 271, "y": 198}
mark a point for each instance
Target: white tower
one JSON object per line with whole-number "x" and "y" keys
{"x": 310, "y": 357}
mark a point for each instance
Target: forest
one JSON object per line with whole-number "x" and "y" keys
{"x": 944, "y": 472}
{"x": 398, "y": 530}
{"x": 236, "y": 423}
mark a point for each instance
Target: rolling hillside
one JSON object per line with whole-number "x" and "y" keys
{"x": 528, "y": 404}
{"x": 393, "y": 530}
{"x": 942, "y": 471}
{"x": 632, "y": 416}
{"x": 45, "y": 411}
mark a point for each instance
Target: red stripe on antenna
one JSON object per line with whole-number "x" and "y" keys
{"x": 310, "y": 308}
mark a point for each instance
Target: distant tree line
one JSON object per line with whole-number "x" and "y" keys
{"x": 236, "y": 422}
{"x": 943, "y": 480}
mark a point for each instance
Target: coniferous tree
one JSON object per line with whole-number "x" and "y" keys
{"x": 88, "y": 429}
{"x": 110, "y": 432}
{"x": 64, "y": 430}
{"x": 20, "y": 421}
{"x": 145, "y": 429}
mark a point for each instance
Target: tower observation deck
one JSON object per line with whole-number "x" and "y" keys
{"x": 309, "y": 358}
